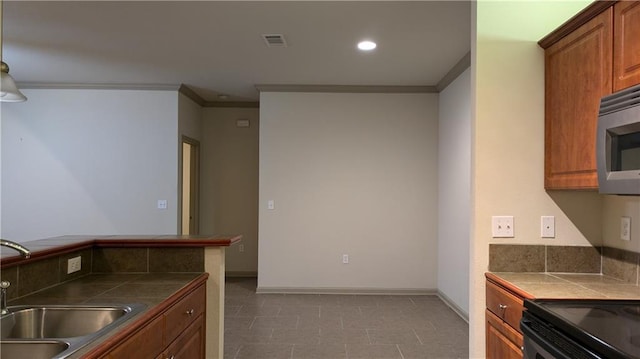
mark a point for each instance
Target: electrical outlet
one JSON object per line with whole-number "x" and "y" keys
{"x": 271, "y": 204}
{"x": 625, "y": 228}
{"x": 74, "y": 264}
{"x": 241, "y": 248}
{"x": 345, "y": 259}
{"x": 502, "y": 226}
{"x": 547, "y": 227}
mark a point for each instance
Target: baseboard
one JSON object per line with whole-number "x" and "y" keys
{"x": 453, "y": 306}
{"x": 241, "y": 274}
{"x": 361, "y": 291}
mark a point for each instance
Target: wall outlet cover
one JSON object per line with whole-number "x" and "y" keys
{"x": 547, "y": 227}
{"x": 625, "y": 228}
{"x": 74, "y": 264}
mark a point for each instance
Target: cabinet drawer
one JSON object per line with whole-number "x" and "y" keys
{"x": 146, "y": 343}
{"x": 504, "y": 305}
{"x": 178, "y": 318}
{"x": 189, "y": 344}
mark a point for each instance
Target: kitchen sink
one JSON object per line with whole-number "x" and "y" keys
{"x": 56, "y": 331}
{"x": 58, "y": 321}
{"x": 34, "y": 349}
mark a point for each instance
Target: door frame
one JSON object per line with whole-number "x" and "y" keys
{"x": 194, "y": 185}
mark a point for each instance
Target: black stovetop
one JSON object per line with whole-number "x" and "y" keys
{"x": 611, "y": 327}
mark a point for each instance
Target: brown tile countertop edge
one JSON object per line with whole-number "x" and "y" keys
{"x": 171, "y": 287}
{"x": 565, "y": 285}
{"x": 44, "y": 248}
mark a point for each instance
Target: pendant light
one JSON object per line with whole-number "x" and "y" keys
{"x": 8, "y": 90}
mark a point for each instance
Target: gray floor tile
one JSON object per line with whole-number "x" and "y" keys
{"x": 230, "y": 350}
{"x": 339, "y": 326}
{"x": 237, "y": 322}
{"x": 300, "y": 310}
{"x": 433, "y": 351}
{"x": 393, "y": 336}
{"x": 344, "y": 336}
{"x": 296, "y": 336}
{"x": 290, "y": 322}
{"x": 442, "y": 336}
{"x": 249, "y": 310}
{"x": 335, "y": 351}
{"x": 320, "y": 322}
{"x": 247, "y": 336}
{"x": 265, "y": 351}
{"x": 373, "y": 351}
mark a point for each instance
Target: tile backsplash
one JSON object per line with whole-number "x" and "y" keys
{"x": 44, "y": 273}
{"x": 614, "y": 262}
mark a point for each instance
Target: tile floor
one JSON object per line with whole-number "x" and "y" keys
{"x": 338, "y": 326}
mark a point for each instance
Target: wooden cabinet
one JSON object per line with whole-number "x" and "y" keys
{"x": 189, "y": 344}
{"x": 594, "y": 54}
{"x": 578, "y": 72}
{"x": 143, "y": 344}
{"x": 178, "y": 332}
{"x": 503, "y": 314}
{"x": 626, "y": 44}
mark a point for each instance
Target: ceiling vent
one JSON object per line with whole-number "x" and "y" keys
{"x": 274, "y": 40}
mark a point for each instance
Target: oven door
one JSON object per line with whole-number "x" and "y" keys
{"x": 543, "y": 341}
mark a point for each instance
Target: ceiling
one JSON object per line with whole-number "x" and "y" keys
{"x": 216, "y": 47}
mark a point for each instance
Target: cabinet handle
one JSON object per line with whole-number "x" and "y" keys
{"x": 189, "y": 312}
{"x": 502, "y": 306}
{"x": 172, "y": 357}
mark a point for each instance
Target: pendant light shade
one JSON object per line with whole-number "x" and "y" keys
{"x": 8, "y": 90}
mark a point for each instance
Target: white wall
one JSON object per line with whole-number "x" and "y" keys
{"x": 454, "y": 191}
{"x": 189, "y": 125}
{"x": 350, "y": 174}
{"x": 89, "y": 162}
{"x": 507, "y": 141}
{"x": 229, "y": 183}
{"x": 189, "y": 119}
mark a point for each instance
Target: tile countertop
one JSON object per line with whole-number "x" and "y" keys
{"x": 151, "y": 289}
{"x": 566, "y": 285}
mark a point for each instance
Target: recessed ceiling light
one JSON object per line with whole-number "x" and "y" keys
{"x": 367, "y": 45}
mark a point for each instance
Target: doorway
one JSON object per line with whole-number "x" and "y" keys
{"x": 190, "y": 186}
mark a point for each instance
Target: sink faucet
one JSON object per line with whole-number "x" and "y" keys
{"x": 17, "y": 246}
{"x": 3, "y": 297}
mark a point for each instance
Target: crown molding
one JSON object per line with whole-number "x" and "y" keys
{"x": 192, "y": 95}
{"x": 346, "y": 88}
{"x": 456, "y": 70}
{"x": 74, "y": 86}
{"x": 581, "y": 18}
{"x": 187, "y": 91}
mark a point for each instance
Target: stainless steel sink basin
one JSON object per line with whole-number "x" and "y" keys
{"x": 56, "y": 331}
{"x": 58, "y": 321}
{"x": 40, "y": 349}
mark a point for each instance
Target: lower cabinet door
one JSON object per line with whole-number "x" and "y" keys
{"x": 499, "y": 346}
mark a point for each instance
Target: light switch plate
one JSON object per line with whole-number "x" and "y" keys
{"x": 502, "y": 227}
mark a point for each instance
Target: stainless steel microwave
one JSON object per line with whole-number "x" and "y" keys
{"x": 618, "y": 142}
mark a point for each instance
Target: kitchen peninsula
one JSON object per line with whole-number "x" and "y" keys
{"x": 180, "y": 265}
